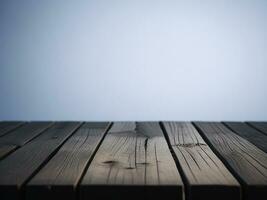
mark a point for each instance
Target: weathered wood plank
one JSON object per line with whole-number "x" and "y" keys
{"x": 252, "y": 135}
{"x": 133, "y": 162}
{"x": 21, "y": 136}
{"x": 245, "y": 160}
{"x": 261, "y": 126}
{"x": 207, "y": 177}
{"x": 6, "y": 127}
{"x": 6, "y": 149}
{"x": 21, "y": 165}
{"x": 59, "y": 177}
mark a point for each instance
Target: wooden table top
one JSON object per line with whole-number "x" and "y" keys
{"x": 133, "y": 160}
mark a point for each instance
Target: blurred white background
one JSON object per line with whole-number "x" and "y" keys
{"x": 133, "y": 60}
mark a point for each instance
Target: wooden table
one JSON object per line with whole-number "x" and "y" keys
{"x": 133, "y": 160}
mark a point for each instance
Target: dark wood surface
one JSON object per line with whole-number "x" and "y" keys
{"x": 133, "y": 155}
{"x": 5, "y": 127}
{"x": 202, "y": 168}
{"x": 245, "y": 160}
{"x": 133, "y": 160}
{"x": 60, "y": 176}
{"x": 21, "y": 136}
{"x": 21, "y": 165}
{"x": 251, "y": 134}
{"x": 261, "y": 126}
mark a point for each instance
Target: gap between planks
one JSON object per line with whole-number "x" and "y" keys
{"x": 246, "y": 162}
{"x": 205, "y": 175}
{"x": 61, "y": 175}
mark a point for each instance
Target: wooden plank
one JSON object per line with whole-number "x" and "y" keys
{"x": 6, "y": 149}
{"x": 21, "y": 136}
{"x": 133, "y": 162}
{"x": 245, "y": 160}
{"x": 207, "y": 177}
{"x": 261, "y": 126}
{"x": 6, "y": 127}
{"x": 252, "y": 135}
{"x": 59, "y": 177}
{"x": 20, "y": 166}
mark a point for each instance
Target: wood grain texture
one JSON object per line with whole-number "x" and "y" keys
{"x": 21, "y": 136}
{"x": 261, "y": 126}
{"x": 6, "y": 149}
{"x": 245, "y": 160}
{"x": 18, "y": 167}
{"x": 59, "y": 177}
{"x": 132, "y": 163}
{"x": 6, "y": 127}
{"x": 206, "y": 175}
{"x": 247, "y": 132}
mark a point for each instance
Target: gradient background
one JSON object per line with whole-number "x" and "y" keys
{"x": 133, "y": 60}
